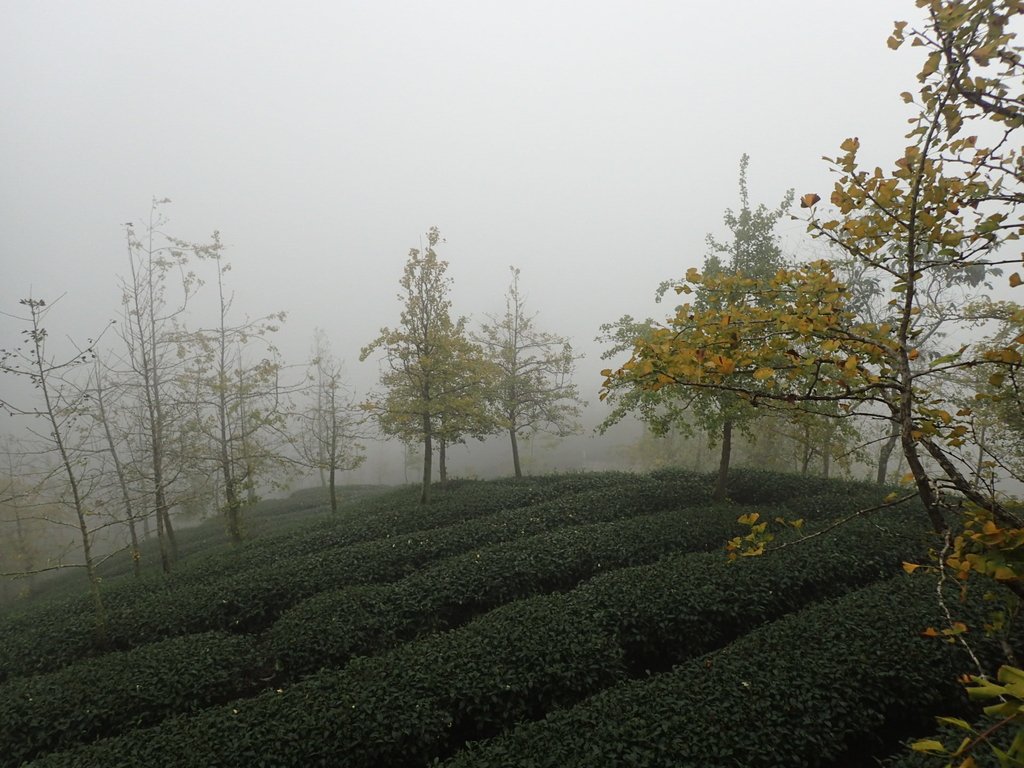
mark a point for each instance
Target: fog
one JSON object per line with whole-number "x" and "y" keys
{"x": 593, "y": 145}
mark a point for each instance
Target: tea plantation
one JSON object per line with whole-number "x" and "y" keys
{"x": 576, "y": 620}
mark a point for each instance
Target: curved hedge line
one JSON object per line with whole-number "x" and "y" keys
{"x": 835, "y": 682}
{"x": 426, "y": 698}
{"x": 384, "y": 547}
{"x": 112, "y": 693}
{"x": 328, "y": 629}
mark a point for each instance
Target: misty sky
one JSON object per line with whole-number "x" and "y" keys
{"x": 592, "y": 144}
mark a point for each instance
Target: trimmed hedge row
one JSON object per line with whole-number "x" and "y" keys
{"x": 330, "y": 628}
{"x": 426, "y": 698}
{"x": 836, "y": 682}
{"x": 119, "y": 691}
{"x": 270, "y": 578}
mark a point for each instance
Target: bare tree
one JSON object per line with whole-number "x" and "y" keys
{"x": 151, "y": 334}
{"x": 534, "y": 390}
{"x": 329, "y": 425}
{"x": 59, "y": 408}
{"x": 237, "y": 411}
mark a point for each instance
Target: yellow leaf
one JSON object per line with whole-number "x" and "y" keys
{"x": 763, "y": 373}
{"x": 913, "y": 354}
{"x": 910, "y": 567}
{"x": 927, "y": 745}
{"x": 748, "y": 519}
{"x": 808, "y": 200}
{"x": 1015, "y": 280}
{"x": 850, "y": 145}
{"x": 1003, "y": 573}
{"x": 907, "y": 478}
{"x": 931, "y": 65}
{"x": 996, "y": 379}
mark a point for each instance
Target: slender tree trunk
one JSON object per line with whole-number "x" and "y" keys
{"x": 442, "y": 462}
{"x": 980, "y": 465}
{"x": 233, "y": 509}
{"x": 515, "y": 452}
{"x": 161, "y": 538}
{"x": 121, "y": 479}
{"x": 76, "y": 495}
{"x": 334, "y": 464}
{"x": 826, "y": 454}
{"x": 806, "y": 452}
{"x": 24, "y": 553}
{"x": 885, "y": 452}
{"x": 172, "y": 540}
{"x": 428, "y": 457}
{"x": 723, "y": 462}
{"x": 334, "y": 492}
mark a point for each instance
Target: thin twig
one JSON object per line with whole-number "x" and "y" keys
{"x": 843, "y": 521}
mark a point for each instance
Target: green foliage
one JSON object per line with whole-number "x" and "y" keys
{"x": 332, "y": 627}
{"x": 247, "y": 589}
{"x": 100, "y": 697}
{"x": 435, "y": 379}
{"x": 833, "y": 682}
{"x": 518, "y": 662}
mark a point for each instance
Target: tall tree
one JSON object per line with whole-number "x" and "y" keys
{"x": 944, "y": 208}
{"x": 152, "y": 334}
{"x": 329, "y": 425}
{"x": 60, "y": 406}
{"x": 105, "y": 420}
{"x": 533, "y": 391}
{"x": 236, "y": 415}
{"x": 752, "y": 252}
{"x": 425, "y": 360}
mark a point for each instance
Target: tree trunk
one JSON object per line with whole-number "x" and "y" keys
{"x": 980, "y": 465}
{"x": 121, "y": 479}
{"x": 442, "y": 465}
{"x": 826, "y": 455}
{"x": 334, "y": 493}
{"x": 515, "y": 453}
{"x": 428, "y": 456}
{"x": 723, "y": 462}
{"x": 161, "y": 538}
{"x": 233, "y": 509}
{"x": 885, "y": 452}
{"x": 171, "y": 538}
{"x": 806, "y": 452}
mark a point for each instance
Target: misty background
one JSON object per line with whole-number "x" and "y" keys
{"x": 592, "y": 145}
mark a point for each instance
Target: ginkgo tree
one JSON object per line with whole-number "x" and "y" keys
{"x": 948, "y": 206}
{"x": 753, "y": 251}
{"x": 434, "y": 380}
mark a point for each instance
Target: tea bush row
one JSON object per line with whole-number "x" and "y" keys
{"x": 328, "y": 629}
{"x": 834, "y": 683}
{"x": 516, "y": 663}
{"x": 254, "y": 595}
{"x": 119, "y": 691}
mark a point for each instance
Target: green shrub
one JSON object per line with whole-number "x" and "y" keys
{"x": 249, "y": 588}
{"x": 528, "y": 657}
{"x": 818, "y": 688}
{"x": 328, "y": 629}
{"x": 103, "y": 696}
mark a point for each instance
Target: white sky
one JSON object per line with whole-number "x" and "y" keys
{"x": 593, "y": 144}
